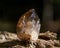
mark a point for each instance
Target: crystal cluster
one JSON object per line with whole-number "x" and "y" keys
{"x": 28, "y": 26}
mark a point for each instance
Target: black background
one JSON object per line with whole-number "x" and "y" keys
{"x": 13, "y": 9}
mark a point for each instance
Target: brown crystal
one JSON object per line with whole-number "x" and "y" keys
{"x": 28, "y": 26}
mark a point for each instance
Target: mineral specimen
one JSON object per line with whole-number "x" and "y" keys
{"x": 28, "y": 26}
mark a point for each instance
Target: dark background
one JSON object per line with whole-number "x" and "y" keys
{"x": 11, "y": 10}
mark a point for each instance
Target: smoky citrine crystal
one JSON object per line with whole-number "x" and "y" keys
{"x": 28, "y": 26}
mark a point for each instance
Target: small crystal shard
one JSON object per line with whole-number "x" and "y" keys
{"x": 28, "y": 26}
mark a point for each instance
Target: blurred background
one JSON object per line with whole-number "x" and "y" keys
{"x": 47, "y": 10}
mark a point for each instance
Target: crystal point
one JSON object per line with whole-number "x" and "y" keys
{"x": 28, "y": 26}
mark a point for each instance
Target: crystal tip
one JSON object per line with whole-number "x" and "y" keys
{"x": 32, "y": 10}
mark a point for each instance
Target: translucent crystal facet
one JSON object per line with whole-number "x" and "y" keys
{"x": 28, "y": 26}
